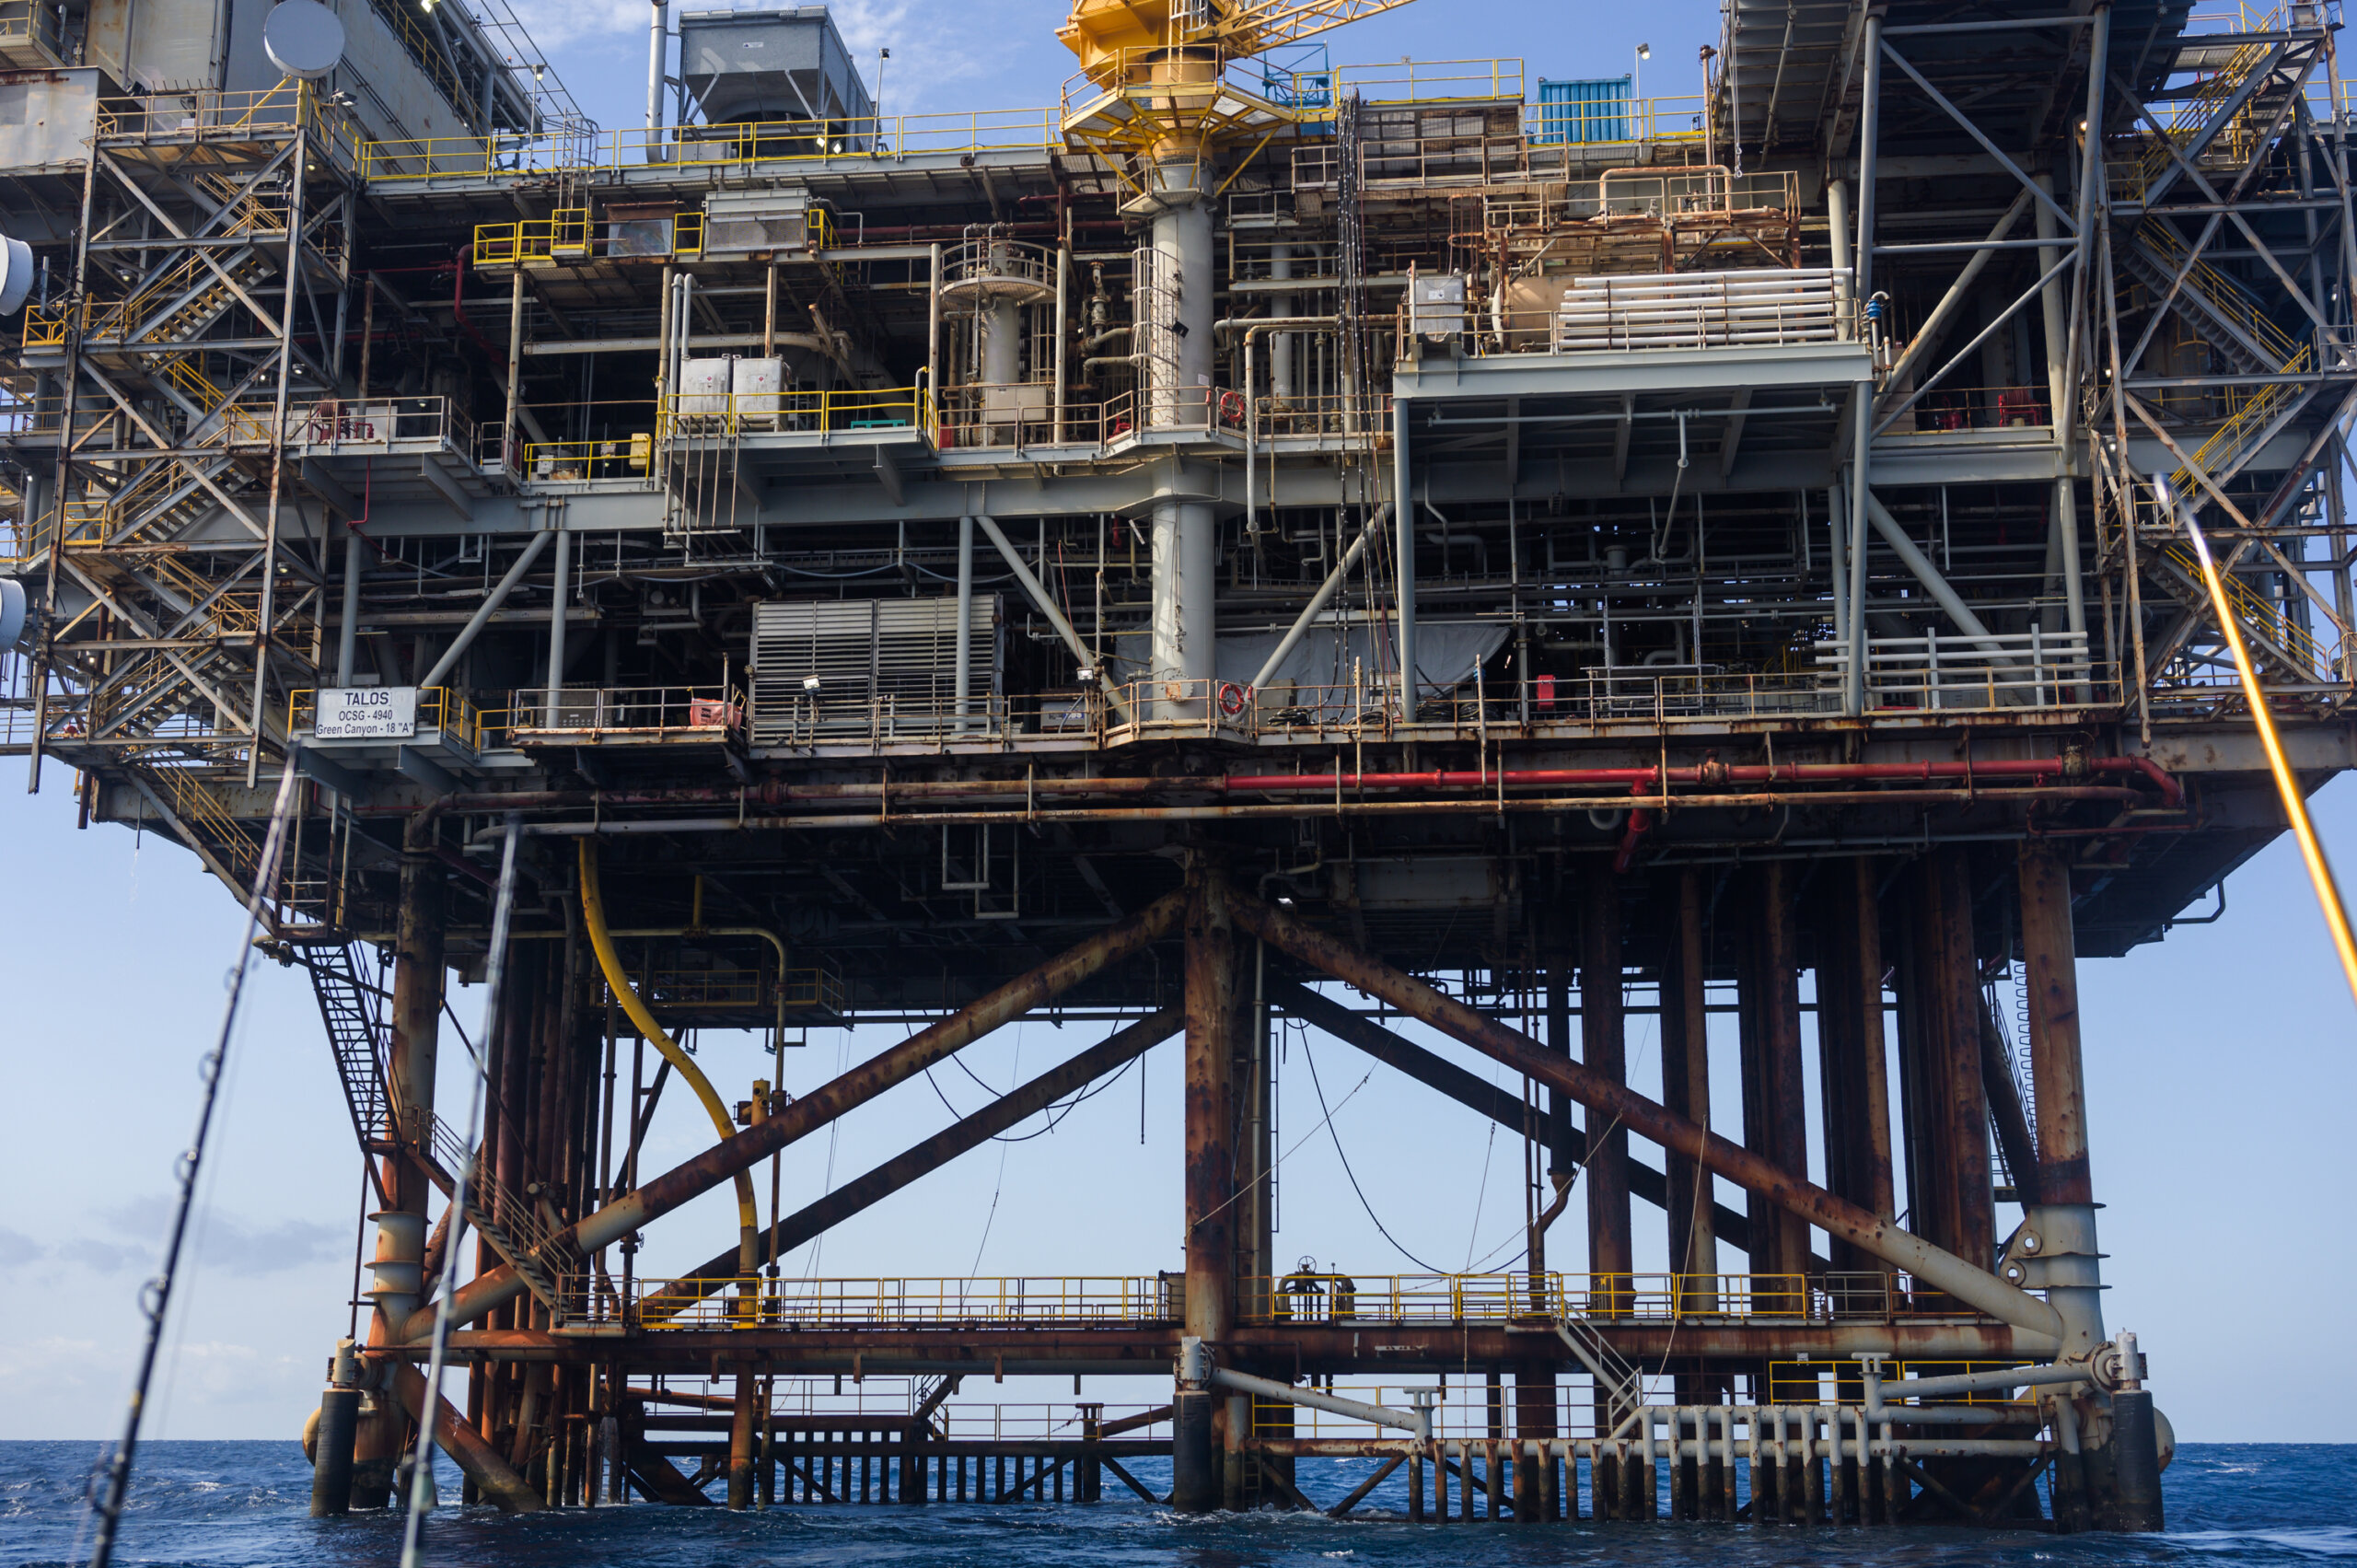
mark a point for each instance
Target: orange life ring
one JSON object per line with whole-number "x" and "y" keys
{"x": 1232, "y": 699}
{"x": 1231, "y": 407}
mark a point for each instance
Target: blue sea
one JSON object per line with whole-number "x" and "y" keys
{"x": 246, "y": 1506}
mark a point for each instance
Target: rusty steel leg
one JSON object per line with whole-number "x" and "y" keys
{"x": 1604, "y": 1047}
{"x": 1686, "y": 1089}
{"x": 1786, "y": 1102}
{"x": 2114, "y": 1484}
{"x": 1198, "y": 1480}
{"x": 1855, "y": 1075}
{"x": 493, "y": 1477}
{"x": 744, "y": 1433}
{"x": 1534, "y": 1418}
{"x": 1971, "y": 1200}
{"x": 416, "y": 1016}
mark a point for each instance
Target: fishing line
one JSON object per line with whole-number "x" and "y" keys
{"x": 156, "y": 1296}
{"x": 429, "y": 1401}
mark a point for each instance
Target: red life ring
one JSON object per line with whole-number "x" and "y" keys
{"x": 1232, "y": 699}
{"x": 1231, "y": 407}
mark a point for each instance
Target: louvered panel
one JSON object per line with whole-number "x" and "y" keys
{"x": 891, "y": 661}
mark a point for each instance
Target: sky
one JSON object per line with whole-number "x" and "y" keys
{"x": 2218, "y": 1062}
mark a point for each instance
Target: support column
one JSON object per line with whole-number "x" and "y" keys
{"x": 1949, "y": 1191}
{"x": 1403, "y": 517}
{"x": 1604, "y": 1047}
{"x": 1853, "y": 1058}
{"x": 1196, "y": 1479}
{"x": 1686, "y": 1089}
{"x": 399, "y": 1262}
{"x": 1775, "y": 1104}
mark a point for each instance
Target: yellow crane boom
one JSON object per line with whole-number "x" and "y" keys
{"x": 1099, "y": 30}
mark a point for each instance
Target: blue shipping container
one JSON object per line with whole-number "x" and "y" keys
{"x": 1596, "y": 110}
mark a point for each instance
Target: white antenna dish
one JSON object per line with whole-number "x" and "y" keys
{"x": 303, "y": 39}
{"x": 15, "y": 273}
{"x": 12, "y": 614}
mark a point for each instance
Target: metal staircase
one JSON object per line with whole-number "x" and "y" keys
{"x": 521, "y": 1232}
{"x": 1621, "y": 1383}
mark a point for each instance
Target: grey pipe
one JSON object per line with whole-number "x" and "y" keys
{"x": 347, "y": 637}
{"x": 1038, "y": 595}
{"x": 1322, "y": 598}
{"x": 481, "y": 618}
{"x": 556, "y": 623}
{"x": 965, "y": 615}
{"x": 1929, "y": 575}
{"x": 1418, "y": 1422}
{"x": 1404, "y": 513}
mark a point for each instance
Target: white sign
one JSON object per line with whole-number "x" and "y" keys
{"x": 366, "y": 713}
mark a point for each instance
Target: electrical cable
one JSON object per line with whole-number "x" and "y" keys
{"x": 157, "y": 1296}
{"x": 1310, "y": 1057}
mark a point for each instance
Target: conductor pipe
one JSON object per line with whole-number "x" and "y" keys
{"x": 1418, "y": 1422}
{"x": 593, "y": 917}
{"x": 1322, "y": 598}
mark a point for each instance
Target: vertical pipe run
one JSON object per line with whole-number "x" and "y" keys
{"x": 347, "y": 632}
{"x": 1837, "y": 224}
{"x": 1210, "y": 992}
{"x": 964, "y": 675}
{"x": 658, "y": 30}
{"x": 1685, "y": 1088}
{"x": 1403, "y": 515}
{"x": 507, "y": 455}
{"x": 563, "y": 591}
{"x": 1854, "y": 696}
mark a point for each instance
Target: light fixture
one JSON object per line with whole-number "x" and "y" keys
{"x": 1285, "y": 901}
{"x": 1086, "y": 673}
{"x": 809, "y": 683}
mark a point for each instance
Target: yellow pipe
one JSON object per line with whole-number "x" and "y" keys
{"x": 2336, "y": 915}
{"x": 593, "y": 917}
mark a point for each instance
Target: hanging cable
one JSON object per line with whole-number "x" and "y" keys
{"x": 157, "y": 1297}
{"x": 1311, "y": 1058}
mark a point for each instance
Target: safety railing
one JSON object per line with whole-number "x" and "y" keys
{"x": 1953, "y": 673}
{"x": 1428, "y": 81}
{"x": 763, "y": 1302}
{"x": 1625, "y": 122}
{"x": 1843, "y": 1382}
{"x": 379, "y": 423}
{"x": 712, "y": 147}
{"x": 1354, "y": 415}
{"x": 1947, "y": 409}
{"x": 1333, "y": 1298}
{"x": 36, "y": 24}
{"x": 961, "y": 1422}
{"x": 583, "y": 462}
{"x": 701, "y": 415}
{"x": 2270, "y": 621}
{"x": 585, "y": 715}
{"x": 210, "y": 115}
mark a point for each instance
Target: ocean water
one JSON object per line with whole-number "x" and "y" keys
{"x": 246, "y": 1506}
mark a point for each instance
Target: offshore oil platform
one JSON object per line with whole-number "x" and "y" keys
{"x": 1259, "y": 543}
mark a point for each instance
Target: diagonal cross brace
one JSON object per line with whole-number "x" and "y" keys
{"x": 1941, "y": 1270}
